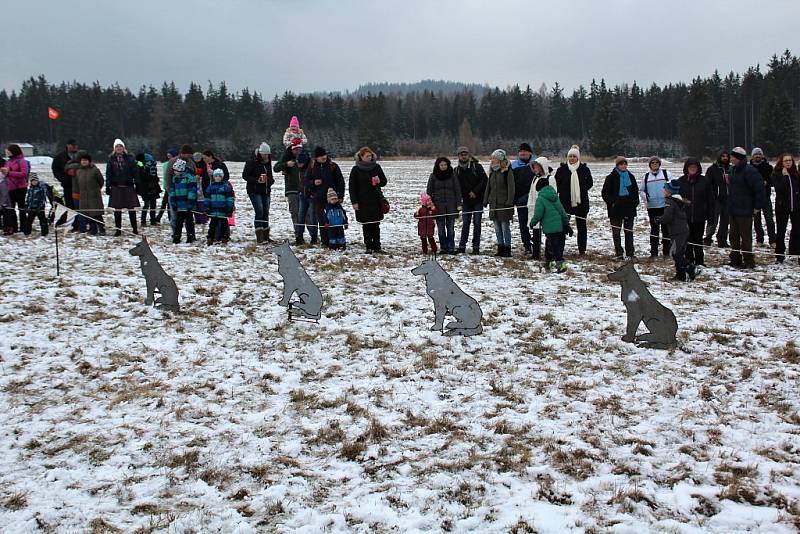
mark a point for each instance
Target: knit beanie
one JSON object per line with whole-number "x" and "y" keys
{"x": 186, "y": 149}
{"x": 264, "y": 149}
{"x": 673, "y": 187}
{"x": 652, "y": 159}
{"x": 332, "y": 196}
{"x": 118, "y": 142}
{"x": 197, "y": 157}
{"x": 319, "y": 152}
{"x": 218, "y": 172}
{"x": 739, "y": 153}
{"x": 757, "y": 152}
{"x": 620, "y": 159}
{"x": 424, "y": 198}
{"x": 179, "y": 165}
{"x": 33, "y": 176}
{"x": 499, "y": 154}
{"x": 461, "y": 149}
{"x": 172, "y": 153}
{"x": 574, "y": 151}
{"x": 294, "y": 123}
{"x": 526, "y": 147}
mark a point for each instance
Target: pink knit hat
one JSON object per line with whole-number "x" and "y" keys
{"x": 424, "y": 198}
{"x": 294, "y": 123}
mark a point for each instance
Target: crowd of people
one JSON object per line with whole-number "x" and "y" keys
{"x": 685, "y": 213}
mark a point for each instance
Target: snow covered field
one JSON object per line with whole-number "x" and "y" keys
{"x": 228, "y": 418}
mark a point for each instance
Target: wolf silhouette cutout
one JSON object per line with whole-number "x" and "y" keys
{"x": 156, "y": 279}
{"x": 641, "y": 305}
{"x": 449, "y": 299}
{"x": 296, "y": 280}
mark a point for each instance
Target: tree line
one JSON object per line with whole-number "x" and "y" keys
{"x": 678, "y": 119}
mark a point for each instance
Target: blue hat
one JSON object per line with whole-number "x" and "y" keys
{"x": 218, "y": 172}
{"x": 673, "y": 187}
{"x": 172, "y": 152}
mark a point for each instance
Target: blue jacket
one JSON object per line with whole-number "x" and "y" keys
{"x": 183, "y": 191}
{"x": 336, "y": 217}
{"x": 36, "y": 198}
{"x": 746, "y": 190}
{"x": 219, "y": 199}
{"x": 523, "y": 177}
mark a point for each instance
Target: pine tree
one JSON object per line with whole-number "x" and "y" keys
{"x": 700, "y": 123}
{"x": 608, "y": 138}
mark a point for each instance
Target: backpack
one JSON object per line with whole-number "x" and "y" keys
{"x": 646, "y": 194}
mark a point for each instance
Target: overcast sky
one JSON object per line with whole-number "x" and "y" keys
{"x": 311, "y": 45}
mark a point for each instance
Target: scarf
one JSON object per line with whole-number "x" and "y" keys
{"x": 574, "y": 185}
{"x": 365, "y": 165}
{"x": 624, "y": 182}
{"x": 495, "y": 167}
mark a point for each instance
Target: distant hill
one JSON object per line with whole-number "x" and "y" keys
{"x": 435, "y": 86}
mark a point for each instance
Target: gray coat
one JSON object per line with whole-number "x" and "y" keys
{"x": 677, "y": 220}
{"x": 88, "y": 185}
{"x": 500, "y": 194}
{"x": 446, "y": 194}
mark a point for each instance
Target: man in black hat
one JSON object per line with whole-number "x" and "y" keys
{"x": 58, "y": 167}
{"x": 523, "y": 177}
{"x": 745, "y": 199}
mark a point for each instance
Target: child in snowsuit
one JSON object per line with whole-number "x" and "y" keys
{"x": 219, "y": 201}
{"x": 677, "y": 221}
{"x": 35, "y": 203}
{"x": 183, "y": 199}
{"x": 294, "y": 132}
{"x": 5, "y": 207}
{"x": 426, "y": 223}
{"x": 549, "y": 211}
{"x": 335, "y": 221}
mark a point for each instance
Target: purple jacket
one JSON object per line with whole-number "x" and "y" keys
{"x": 18, "y": 171}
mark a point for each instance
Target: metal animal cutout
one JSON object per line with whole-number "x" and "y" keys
{"x": 156, "y": 279}
{"x": 449, "y": 299}
{"x": 296, "y": 280}
{"x": 641, "y": 305}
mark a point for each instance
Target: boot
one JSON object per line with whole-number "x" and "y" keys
{"x": 680, "y": 274}
{"x": 499, "y": 253}
{"x": 691, "y": 270}
{"x": 507, "y": 251}
{"x": 132, "y": 217}
{"x": 461, "y": 250}
{"x": 299, "y": 241}
{"x": 266, "y": 235}
{"x": 476, "y": 251}
{"x": 259, "y": 235}
{"x": 562, "y": 267}
{"x": 209, "y": 241}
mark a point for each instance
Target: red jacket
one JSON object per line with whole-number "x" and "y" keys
{"x": 426, "y": 224}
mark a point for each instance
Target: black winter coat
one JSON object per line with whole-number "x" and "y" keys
{"x": 445, "y": 191}
{"x": 716, "y": 177}
{"x": 121, "y": 175}
{"x": 523, "y": 177}
{"x": 59, "y": 168}
{"x": 472, "y": 179}
{"x": 765, "y": 170}
{"x": 700, "y": 195}
{"x": 331, "y": 176}
{"x": 253, "y": 169}
{"x": 562, "y": 179}
{"x": 368, "y": 197}
{"x": 746, "y": 191}
{"x": 620, "y": 207}
{"x": 787, "y": 191}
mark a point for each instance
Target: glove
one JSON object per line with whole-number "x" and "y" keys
{"x": 569, "y": 231}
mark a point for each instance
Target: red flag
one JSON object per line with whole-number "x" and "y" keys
{"x": 53, "y": 113}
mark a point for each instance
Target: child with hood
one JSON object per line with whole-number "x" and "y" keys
{"x": 335, "y": 221}
{"x": 676, "y": 219}
{"x": 426, "y": 223}
{"x": 35, "y": 203}
{"x": 183, "y": 199}
{"x": 219, "y": 203}
{"x": 294, "y": 132}
{"x": 549, "y": 211}
{"x": 541, "y": 177}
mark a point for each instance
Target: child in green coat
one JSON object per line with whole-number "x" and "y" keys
{"x": 554, "y": 219}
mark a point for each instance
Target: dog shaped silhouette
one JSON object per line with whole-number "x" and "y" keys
{"x": 643, "y": 306}
{"x": 156, "y": 279}
{"x": 296, "y": 280}
{"x": 449, "y": 299}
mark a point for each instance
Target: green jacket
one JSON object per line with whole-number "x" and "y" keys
{"x": 291, "y": 181}
{"x": 549, "y": 212}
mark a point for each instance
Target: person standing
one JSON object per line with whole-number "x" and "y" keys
{"x": 758, "y": 161}
{"x": 499, "y": 197}
{"x": 621, "y": 195}
{"x": 165, "y": 169}
{"x": 699, "y": 193}
{"x": 541, "y": 178}
{"x": 676, "y": 219}
{"x": 523, "y": 176}
{"x": 147, "y": 186}
{"x": 87, "y": 184}
{"x": 59, "y": 168}
{"x": 212, "y": 163}
{"x": 366, "y": 180}
{"x": 745, "y": 198}
{"x": 220, "y": 204}
{"x": 786, "y": 181}
{"x": 323, "y": 174}
{"x": 292, "y": 166}
{"x": 573, "y": 181}
{"x": 36, "y": 200}
{"x": 549, "y": 211}
{"x": 258, "y": 175}
{"x": 183, "y": 199}
{"x": 121, "y": 173}
{"x": 472, "y": 181}
{"x": 651, "y": 192}
{"x": 445, "y": 190}
{"x": 719, "y": 176}
{"x": 16, "y": 170}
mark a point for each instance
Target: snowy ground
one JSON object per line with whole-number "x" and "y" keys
{"x": 228, "y": 418}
